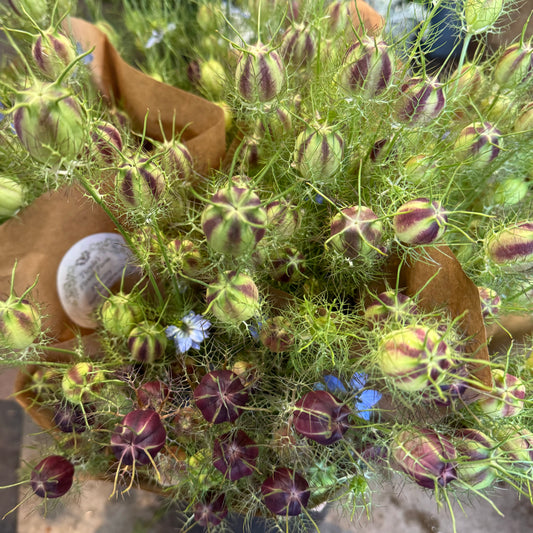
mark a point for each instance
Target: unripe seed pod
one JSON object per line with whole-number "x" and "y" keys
{"x": 52, "y": 477}
{"x": 490, "y": 302}
{"x": 419, "y": 168}
{"x": 275, "y": 123}
{"x": 514, "y": 66}
{"x": 276, "y": 334}
{"x": 211, "y": 511}
{"x": 233, "y": 298}
{"x": 234, "y": 221}
{"x": 52, "y": 52}
{"x": 512, "y": 246}
{"x": 510, "y": 191}
{"x": 147, "y": 342}
{"x": 176, "y": 162}
{"x": 287, "y": 265}
{"x": 480, "y": 15}
{"x": 70, "y": 418}
{"x": 119, "y": 314}
{"x": 260, "y": 74}
{"x": 414, "y": 358}
{"x": 368, "y": 67}
{"x": 338, "y": 17}
{"x": 517, "y": 445}
{"x": 139, "y": 437}
{"x": 286, "y": 492}
{"x": 427, "y": 457}
{"x": 11, "y": 197}
{"x": 185, "y": 256}
{"x": 212, "y": 77}
{"x": 235, "y": 455}
{"x": 321, "y": 417}
{"x": 390, "y": 305}
{"x": 49, "y": 123}
{"x": 382, "y": 151}
{"x": 356, "y": 232}
{"x": 506, "y": 397}
{"x": 81, "y": 381}
{"x": 469, "y": 79}
{"x": 152, "y": 395}
{"x": 298, "y": 46}
{"x": 283, "y": 218}
{"x": 524, "y": 121}
{"x": 480, "y": 143}
{"x": 420, "y": 221}
{"x": 20, "y": 324}
{"x": 106, "y": 142}
{"x": 318, "y": 153}
{"x": 424, "y": 101}
{"x": 140, "y": 183}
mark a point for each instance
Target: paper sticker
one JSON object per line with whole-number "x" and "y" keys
{"x": 92, "y": 265}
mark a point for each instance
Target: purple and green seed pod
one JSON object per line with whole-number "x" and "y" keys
{"x": 420, "y": 221}
{"x": 106, "y": 142}
{"x": 318, "y": 153}
{"x": 298, "y": 46}
{"x": 11, "y": 197}
{"x": 233, "y": 298}
{"x": 414, "y": 358}
{"x": 287, "y": 265}
{"x": 276, "y": 334}
{"x": 275, "y": 123}
{"x": 515, "y": 66}
{"x": 506, "y": 398}
{"x": 356, "y": 232}
{"x": 81, "y": 381}
{"x": 469, "y": 79}
{"x": 176, "y": 162}
{"x": 153, "y": 395}
{"x": 512, "y": 246}
{"x": 426, "y": 456}
{"x": 234, "y": 220}
{"x": 479, "y": 143}
{"x": 390, "y": 305}
{"x": 260, "y": 74}
{"x": 73, "y": 418}
{"x": 286, "y": 492}
{"x": 140, "y": 183}
{"x": 186, "y": 257}
{"x": 235, "y": 455}
{"x": 419, "y": 168}
{"x": 211, "y": 510}
{"x": 52, "y": 53}
{"x": 321, "y": 417}
{"x": 147, "y": 342}
{"x": 283, "y": 219}
{"x": 220, "y": 396}
{"x": 20, "y": 323}
{"x": 490, "y": 302}
{"x": 139, "y": 438}
{"x": 524, "y": 121}
{"x": 52, "y": 477}
{"x": 367, "y": 67}
{"x": 423, "y": 101}
{"x": 50, "y": 123}
{"x": 119, "y": 314}
{"x": 516, "y": 445}
{"x": 337, "y": 17}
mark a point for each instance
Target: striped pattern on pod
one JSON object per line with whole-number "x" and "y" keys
{"x": 512, "y": 246}
{"x": 524, "y": 121}
{"x": 20, "y": 324}
{"x": 424, "y": 101}
{"x": 420, "y": 221}
{"x": 479, "y": 142}
{"x": 106, "y": 142}
{"x": 515, "y": 65}
{"x": 140, "y": 183}
{"x": 176, "y": 162}
{"x": 298, "y": 46}
{"x": 506, "y": 398}
{"x": 52, "y": 53}
{"x": 147, "y": 342}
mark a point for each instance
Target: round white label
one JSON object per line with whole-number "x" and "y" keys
{"x": 89, "y": 268}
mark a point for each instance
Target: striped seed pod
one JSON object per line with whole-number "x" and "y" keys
{"x": 285, "y": 492}
{"x": 11, "y": 197}
{"x": 52, "y": 52}
{"x": 81, "y": 381}
{"x": 516, "y": 445}
{"x": 287, "y": 265}
{"x": 185, "y": 256}
{"x": 283, "y": 219}
{"x": 234, "y": 220}
{"x": 469, "y": 79}
{"x": 52, "y": 477}
{"x": 275, "y": 123}
{"x": 147, "y": 342}
{"x": 490, "y": 302}
{"x": 524, "y": 121}
{"x": 298, "y": 46}
{"x": 235, "y": 455}
{"x": 420, "y": 221}
{"x": 515, "y": 65}
{"x": 506, "y": 398}
{"x": 512, "y": 246}
{"x": 119, "y": 314}
{"x": 423, "y": 101}
{"x": 479, "y": 143}
{"x": 337, "y": 17}
{"x": 211, "y": 510}
{"x": 106, "y": 142}
{"x": 390, "y": 305}
{"x": 176, "y": 162}
{"x": 20, "y": 323}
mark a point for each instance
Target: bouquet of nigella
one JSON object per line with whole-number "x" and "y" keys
{"x": 264, "y": 326}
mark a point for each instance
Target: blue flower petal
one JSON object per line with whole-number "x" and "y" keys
{"x": 334, "y": 384}
{"x": 358, "y": 380}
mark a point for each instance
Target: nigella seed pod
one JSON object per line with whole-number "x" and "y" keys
{"x": 356, "y": 232}
{"x": 419, "y": 168}
{"x": 139, "y": 438}
{"x": 424, "y": 101}
{"x": 283, "y": 219}
{"x": 211, "y": 511}
{"x": 147, "y": 342}
{"x": 390, "y": 305}
{"x": 275, "y": 123}
{"x": 106, "y": 142}
{"x": 321, "y": 417}
{"x": 53, "y": 52}
{"x": 235, "y": 455}
{"x": 220, "y": 396}
{"x": 260, "y": 74}
{"x": 52, "y": 477}
{"x": 318, "y": 153}
{"x": 11, "y": 197}
{"x": 480, "y": 15}
{"x": 298, "y": 46}
{"x": 420, "y": 221}
{"x": 73, "y": 418}
{"x": 427, "y": 457}
{"x": 286, "y": 492}
{"x": 479, "y": 143}
{"x": 524, "y": 121}
{"x": 490, "y": 302}
{"x": 234, "y": 220}
{"x": 506, "y": 398}
{"x": 516, "y": 444}
{"x": 50, "y": 123}
{"x": 119, "y": 314}
{"x": 468, "y": 80}
{"x": 140, "y": 183}
{"x": 338, "y": 17}
{"x": 81, "y": 381}
{"x": 176, "y": 162}
{"x": 287, "y": 265}
{"x": 367, "y": 67}
{"x": 510, "y": 191}
{"x": 515, "y": 65}
{"x": 152, "y": 395}
{"x": 512, "y": 246}
{"x": 185, "y": 257}
{"x": 414, "y": 358}
{"x": 276, "y": 334}
{"x": 20, "y": 323}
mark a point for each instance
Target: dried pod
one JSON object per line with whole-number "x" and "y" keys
{"x": 512, "y": 246}
{"x": 286, "y": 492}
{"x": 235, "y": 455}
{"x": 20, "y": 323}
{"x": 52, "y": 477}
{"x": 211, "y": 510}
{"x": 424, "y": 101}
{"x": 106, "y": 142}
{"x": 479, "y": 143}
{"x": 152, "y": 394}
{"x": 276, "y": 334}
{"x": 52, "y": 52}
{"x": 420, "y": 221}
{"x": 514, "y": 66}
{"x": 147, "y": 342}
{"x": 506, "y": 398}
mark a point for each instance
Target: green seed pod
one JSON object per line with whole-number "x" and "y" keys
{"x": 469, "y": 79}
{"x": 287, "y": 265}
{"x": 283, "y": 218}
{"x": 516, "y": 444}
{"x": 50, "y": 123}
{"x": 119, "y": 314}
{"x": 479, "y": 143}
{"x": 176, "y": 162}
{"x": 106, "y": 142}
{"x": 514, "y": 66}
{"x": 510, "y": 191}
{"x": 512, "y": 246}
{"x": 419, "y": 168}
{"x": 53, "y": 52}
{"x": 233, "y": 298}
{"x": 185, "y": 256}
{"x": 147, "y": 342}
{"x": 20, "y": 323}
{"x": 506, "y": 397}
{"x": 81, "y": 381}
{"x": 211, "y": 77}
{"x": 11, "y": 197}
{"x": 481, "y": 15}
{"x": 524, "y": 121}
{"x": 420, "y": 221}
{"x": 298, "y": 46}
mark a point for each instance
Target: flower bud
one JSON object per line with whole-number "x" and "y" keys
{"x": 356, "y": 232}
{"x": 423, "y": 101}
{"x": 147, "y": 342}
{"x": 318, "y": 153}
{"x": 286, "y": 492}
{"x": 11, "y": 197}
{"x": 524, "y": 121}
{"x": 233, "y": 298}
{"x": 106, "y": 142}
{"x": 119, "y": 314}
{"x": 479, "y": 143}
{"x": 20, "y": 323}
{"x": 211, "y": 511}
{"x": 49, "y": 123}
{"x": 53, "y": 52}
{"x": 367, "y": 67}
{"x": 506, "y": 397}
{"x": 390, "y": 305}
{"x": 283, "y": 218}
{"x": 414, "y": 358}
{"x": 139, "y": 438}
{"x": 514, "y": 66}
{"x": 235, "y": 455}
{"x": 81, "y": 381}
{"x": 220, "y": 396}
{"x": 321, "y": 417}
{"x": 298, "y": 46}
{"x": 512, "y": 246}
{"x": 420, "y": 221}
{"x": 52, "y": 477}
{"x": 260, "y": 74}
{"x": 490, "y": 302}
{"x": 234, "y": 221}
{"x": 481, "y": 15}
{"x": 276, "y": 334}
{"x": 427, "y": 457}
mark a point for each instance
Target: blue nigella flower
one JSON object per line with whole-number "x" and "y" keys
{"x": 190, "y": 333}
{"x": 157, "y": 35}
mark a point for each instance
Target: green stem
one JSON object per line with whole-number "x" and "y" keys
{"x": 466, "y": 43}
